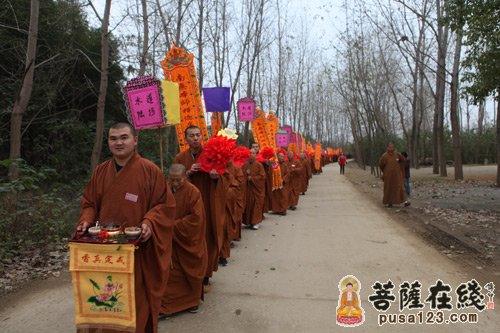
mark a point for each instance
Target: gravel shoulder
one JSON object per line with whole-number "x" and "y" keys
{"x": 460, "y": 218}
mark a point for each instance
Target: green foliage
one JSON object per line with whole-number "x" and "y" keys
{"x": 58, "y": 126}
{"x": 33, "y": 215}
{"x": 479, "y": 20}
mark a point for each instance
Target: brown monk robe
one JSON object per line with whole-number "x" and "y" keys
{"x": 307, "y": 165}
{"x": 213, "y": 193}
{"x": 234, "y": 212}
{"x": 268, "y": 169}
{"x": 279, "y": 198}
{"x": 303, "y": 176}
{"x": 256, "y": 183}
{"x": 392, "y": 166}
{"x": 130, "y": 190}
{"x": 189, "y": 247}
{"x": 296, "y": 170}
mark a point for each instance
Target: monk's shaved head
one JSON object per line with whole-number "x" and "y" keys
{"x": 177, "y": 169}
{"x": 124, "y": 125}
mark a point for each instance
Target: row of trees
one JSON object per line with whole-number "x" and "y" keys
{"x": 395, "y": 73}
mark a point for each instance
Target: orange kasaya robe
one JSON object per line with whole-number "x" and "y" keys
{"x": 189, "y": 252}
{"x": 280, "y": 197}
{"x": 255, "y": 192}
{"x": 235, "y": 201}
{"x": 135, "y": 195}
{"x": 213, "y": 194}
{"x": 296, "y": 171}
{"x": 392, "y": 167}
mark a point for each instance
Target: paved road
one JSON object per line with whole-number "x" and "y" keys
{"x": 284, "y": 277}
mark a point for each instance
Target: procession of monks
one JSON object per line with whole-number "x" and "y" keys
{"x": 212, "y": 208}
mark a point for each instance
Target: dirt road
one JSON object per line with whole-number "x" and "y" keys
{"x": 284, "y": 277}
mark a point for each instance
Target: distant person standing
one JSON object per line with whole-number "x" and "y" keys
{"x": 407, "y": 173}
{"x": 342, "y": 163}
{"x": 392, "y": 165}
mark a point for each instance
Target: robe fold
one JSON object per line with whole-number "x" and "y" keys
{"x": 266, "y": 207}
{"x": 213, "y": 194}
{"x": 189, "y": 252}
{"x": 296, "y": 171}
{"x": 392, "y": 167}
{"x": 280, "y": 197}
{"x": 135, "y": 195}
{"x": 234, "y": 210}
{"x": 255, "y": 192}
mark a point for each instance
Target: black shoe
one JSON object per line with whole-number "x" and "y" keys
{"x": 222, "y": 261}
{"x": 282, "y": 213}
{"x": 293, "y": 208}
{"x": 194, "y": 309}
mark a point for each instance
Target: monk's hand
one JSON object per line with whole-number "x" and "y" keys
{"x": 214, "y": 174}
{"x": 82, "y": 228}
{"x": 146, "y": 232}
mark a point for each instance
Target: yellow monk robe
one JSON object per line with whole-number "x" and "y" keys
{"x": 213, "y": 194}
{"x": 189, "y": 252}
{"x": 137, "y": 194}
{"x": 349, "y": 305}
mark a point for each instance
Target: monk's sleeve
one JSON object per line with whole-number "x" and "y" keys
{"x": 187, "y": 225}
{"x": 382, "y": 163}
{"x": 259, "y": 176}
{"x": 162, "y": 207}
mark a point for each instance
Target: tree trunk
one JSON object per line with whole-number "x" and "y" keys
{"x": 145, "y": 41}
{"x": 455, "y": 125}
{"x": 24, "y": 96}
{"x": 179, "y": 22}
{"x": 103, "y": 87}
{"x": 498, "y": 138}
{"x": 442, "y": 38}
{"x": 200, "y": 43}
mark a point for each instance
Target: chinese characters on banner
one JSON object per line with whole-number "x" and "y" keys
{"x": 103, "y": 285}
{"x": 144, "y": 103}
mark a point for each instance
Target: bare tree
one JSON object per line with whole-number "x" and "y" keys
{"x": 455, "y": 125}
{"x": 145, "y": 41}
{"x": 103, "y": 87}
{"x": 24, "y": 95}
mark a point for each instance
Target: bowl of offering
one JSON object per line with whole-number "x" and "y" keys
{"x": 112, "y": 229}
{"x": 94, "y": 231}
{"x": 133, "y": 232}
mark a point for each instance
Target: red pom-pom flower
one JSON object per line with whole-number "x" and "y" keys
{"x": 216, "y": 154}
{"x": 241, "y": 155}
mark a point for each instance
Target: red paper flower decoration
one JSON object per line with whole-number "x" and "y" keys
{"x": 267, "y": 153}
{"x": 216, "y": 154}
{"x": 241, "y": 155}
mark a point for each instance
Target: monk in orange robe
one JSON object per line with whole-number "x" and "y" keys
{"x": 280, "y": 196}
{"x": 256, "y": 182}
{"x": 269, "y": 181}
{"x": 307, "y": 168}
{"x": 189, "y": 247}
{"x": 213, "y": 188}
{"x": 130, "y": 190}
{"x": 234, "y": 211}
{"x": 296, "y": 170}
{"x": 392, "y": 166}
